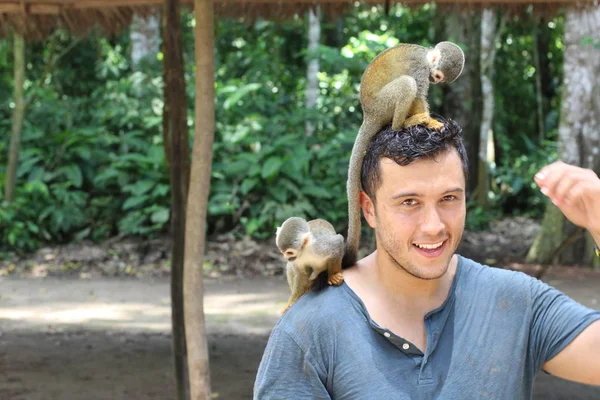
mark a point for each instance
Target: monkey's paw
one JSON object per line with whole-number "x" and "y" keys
{"x": 417, "y": 119}
{"x": 336, "y": 279}
{"x": 285, "y": 309}
{"x": 435, "y": 124}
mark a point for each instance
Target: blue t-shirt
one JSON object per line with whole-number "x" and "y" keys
{"x": 491, "y": 336}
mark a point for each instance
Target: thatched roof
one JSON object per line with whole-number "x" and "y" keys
{"x": 35, "y": 19}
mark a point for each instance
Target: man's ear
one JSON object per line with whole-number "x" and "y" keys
{"x": 368, "y": 208}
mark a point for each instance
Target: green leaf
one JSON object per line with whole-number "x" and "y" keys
{"x": 239, "y": 93}
{"x": 32, "y": 227}
{"x": 247, "y": 185}
{"x": 36, "y": 173}
{"x": 83, "y": 234}
{"x": 134, "y": 201}
{"x": 12, "y": 238}
{"x": 73, "y": 173}
{"x": 236, "y": 168}
{"x": 140, "y": 187}
{"x": 278, "y": 193}
{"x": 252, "y": 226}
{"x": 518, "y": 184}
{"x": 161, "y": 216}
{"x": 317, "y": 191}
{"x": 271, "y": 167}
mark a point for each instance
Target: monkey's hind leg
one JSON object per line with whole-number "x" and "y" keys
{"x": 402, "y": 91}
{"x": 419, "y": 115}
{"x": 423, "y": 119}
{"x": 334, "y": 272}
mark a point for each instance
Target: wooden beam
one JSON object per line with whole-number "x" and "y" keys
{"x": 30, "y": 8}
{"x": 10, "y": 8}
{"x": 46, "y": 9}
{"x": 55, "y": 6}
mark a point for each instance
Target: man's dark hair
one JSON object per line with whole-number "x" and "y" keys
{"x": 407, "y": 145}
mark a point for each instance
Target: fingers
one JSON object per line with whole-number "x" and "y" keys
{"x": 558, "y": 180}
{"x": 564, "y": 183}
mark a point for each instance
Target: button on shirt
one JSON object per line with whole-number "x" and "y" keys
{"x": 487, "y": 340}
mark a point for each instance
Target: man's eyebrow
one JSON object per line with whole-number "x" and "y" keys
{"x": 414, "y": 194}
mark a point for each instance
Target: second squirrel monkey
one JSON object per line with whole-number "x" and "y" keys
{"x": 394, "y": 90}
{"x": 310, "y": 248}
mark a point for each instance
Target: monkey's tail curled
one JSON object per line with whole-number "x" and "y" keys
{"x": 353, "y": 188}
{"x": 349, "y": 258}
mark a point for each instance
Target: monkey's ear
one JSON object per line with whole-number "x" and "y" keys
{"x": 306, "y": 239}
{"x": 433, "y": 56}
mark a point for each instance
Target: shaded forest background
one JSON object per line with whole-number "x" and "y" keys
{"x": 92, "y": 164}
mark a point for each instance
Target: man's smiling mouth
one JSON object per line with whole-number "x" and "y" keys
{"x": 432, "y": 246}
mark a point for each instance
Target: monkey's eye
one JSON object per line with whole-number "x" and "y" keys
{"x": 289, "y": 253}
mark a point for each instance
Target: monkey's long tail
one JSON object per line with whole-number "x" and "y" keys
{"x": 353, "y": 188}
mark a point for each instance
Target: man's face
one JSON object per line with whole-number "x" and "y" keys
{"x": 419, "y": 213}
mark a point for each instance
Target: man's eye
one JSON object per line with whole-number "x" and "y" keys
{"x": 409, "y": 202}
{"x": 449, "y": 198}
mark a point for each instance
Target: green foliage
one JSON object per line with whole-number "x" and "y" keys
{"x": 265, "y": 169}
{"x": 515, "y": 191}
{"x": 92, "y": 162}
{"x": 90, "y": 166}
{"x": 514, "y": 83}
{"x": 21, "y": 225}
{"x": 478, "y": 218}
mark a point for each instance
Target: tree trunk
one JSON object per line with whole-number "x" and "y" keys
{"x": 579, "y": 118}
{"x": 490, "y": 32}
{"x": 549, "y": 237}
{"x": 18, "y": 118}
{"x": 166, "y": 102}
{"x": 538, "y": 83}
{"x": 197, "y": 346}
{"x": 312, "y": 70}
{"x": 178, "y": 135}
{"x": 185, "y": 143}
{"x": 463, "y": 98}
{"x": 145, "y": 37}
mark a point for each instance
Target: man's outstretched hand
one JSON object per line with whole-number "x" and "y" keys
{"x": 575, "y": 191}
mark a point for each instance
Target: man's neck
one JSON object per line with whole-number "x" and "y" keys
{"x": 376, "y": 275}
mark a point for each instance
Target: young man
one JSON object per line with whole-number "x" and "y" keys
{"x": 413, "y": 320}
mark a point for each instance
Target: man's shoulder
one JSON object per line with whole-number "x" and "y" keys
{"x": 490, "y": 279}
{"x": 317, "y": 311}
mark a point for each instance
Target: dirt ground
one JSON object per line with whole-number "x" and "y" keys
{"x": 101, "y": 339}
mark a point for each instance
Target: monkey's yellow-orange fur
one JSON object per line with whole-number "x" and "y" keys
{"x": 310, "y": 248}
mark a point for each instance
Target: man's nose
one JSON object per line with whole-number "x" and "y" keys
{"x": 431, "y": 223}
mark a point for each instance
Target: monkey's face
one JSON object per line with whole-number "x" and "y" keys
{"x": 291, "y": 237}
{"x": 300, "y": 244}
{"x": 449, "y": 60}
{"x": 436, "y": 76}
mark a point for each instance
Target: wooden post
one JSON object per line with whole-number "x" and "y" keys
{"x": 195, "y": 328}
{"x": 177, "y": 134}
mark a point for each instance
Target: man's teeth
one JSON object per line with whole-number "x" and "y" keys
{"x": 429, "y": 246}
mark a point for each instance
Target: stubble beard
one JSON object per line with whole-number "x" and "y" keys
{"x": 391, "y": 247}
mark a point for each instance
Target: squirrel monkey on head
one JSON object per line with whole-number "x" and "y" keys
{"x": 309, "y": 248}
{"x": 394, "y": 90}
